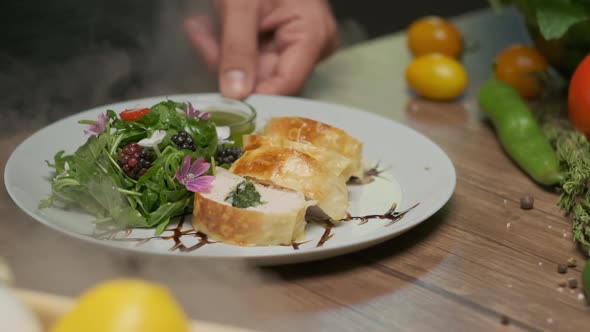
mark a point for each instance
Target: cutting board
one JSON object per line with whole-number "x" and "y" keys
{"x": 49, "y": 308}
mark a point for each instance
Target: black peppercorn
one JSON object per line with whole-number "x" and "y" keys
{"x": 527, "y": 202}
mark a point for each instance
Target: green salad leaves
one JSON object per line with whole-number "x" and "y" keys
{"x": 92, "y": 179}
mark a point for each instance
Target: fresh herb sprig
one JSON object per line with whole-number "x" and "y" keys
{"x": 244, "y": 196}
{"x": 573, "y": 151}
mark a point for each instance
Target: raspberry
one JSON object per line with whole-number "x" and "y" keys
{"x": 184, "y": 141}
{"x": 228, "y": 155}
{"x": 134, "y": 160}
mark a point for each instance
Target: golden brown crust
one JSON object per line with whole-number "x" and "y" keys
{"x": 319, "y": 134}
{"x": 300, "y": 129}
{"x": 247, "y": 227}
{"x": 331, "y": 160}
{"x": 252, "y": 142}
{"x": 269, "y": 162}
{"x": 292, "y": 169}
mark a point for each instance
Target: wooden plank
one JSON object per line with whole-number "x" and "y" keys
{"x": 478, "y": 273}
{"x": 510, "y": 264}
{"x": 392, "y": 301}
{"x": 476, "y": 152}
{"x": 488, "y": 172}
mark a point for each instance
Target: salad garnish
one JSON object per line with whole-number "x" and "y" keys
{"x": 223, "y": 134}
{"x": 152, "y": 142}
{"x": 136, "y": 170}
{"x": 96, "y": 127}
{"x": 192, "y": 112}
{"x": 191, "y": 175}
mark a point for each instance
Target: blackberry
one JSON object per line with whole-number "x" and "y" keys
{"x": 134, "y": 160}
{"x": 228, "y": 155}
{"x": 184, "y": 141}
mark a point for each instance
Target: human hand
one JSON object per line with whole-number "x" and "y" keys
{"x": 265, "y": 46}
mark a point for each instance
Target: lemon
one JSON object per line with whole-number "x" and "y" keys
{"x": 124, "y": 305}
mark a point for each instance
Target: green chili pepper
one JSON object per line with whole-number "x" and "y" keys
{"x": 519, "y": 132}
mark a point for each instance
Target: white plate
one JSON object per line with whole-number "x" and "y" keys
{"x": 418, "y": 171}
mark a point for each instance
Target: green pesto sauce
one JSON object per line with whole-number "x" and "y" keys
{"x": 224, "y": 118}
{"x": 244, "y": 196}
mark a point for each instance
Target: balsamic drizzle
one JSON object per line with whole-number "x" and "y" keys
{"x": 368, "y": 176}
{"x": 295, "y": 245}
{"x": 391, "y": 214}
{"x": 177, "y": 232}
{"x": 326, "y": 236}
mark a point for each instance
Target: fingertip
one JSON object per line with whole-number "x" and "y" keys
{"x": 235, "y": 84}
{"x": 239, "y": 48}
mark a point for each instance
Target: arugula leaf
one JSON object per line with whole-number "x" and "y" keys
{"x": 169, "y": 159}
{"x": 59, "y": 162}
{"x": 101, "y": 181}
{"x": 148, "y": 200}
{"x": 168, "y": 210}
{"x": 161, "y": 227}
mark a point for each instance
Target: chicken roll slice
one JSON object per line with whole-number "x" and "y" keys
{"x": 293, "y": 169}
{"x": 319, "y": 134}
{"x": 239, "y": 211}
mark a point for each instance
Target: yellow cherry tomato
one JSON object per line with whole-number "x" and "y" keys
{"x": 434, "y": 34}
{"x": 437, "y": 77}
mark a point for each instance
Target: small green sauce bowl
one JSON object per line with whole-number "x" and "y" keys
{"x": 239, "y": 116}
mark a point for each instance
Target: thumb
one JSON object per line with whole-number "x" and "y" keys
{"x": 239, "y": 48}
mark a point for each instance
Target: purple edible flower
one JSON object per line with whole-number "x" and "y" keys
{"x": 98, "y": 127}
{"x": 190, "y": 175}
{"x": 191, "y": 112}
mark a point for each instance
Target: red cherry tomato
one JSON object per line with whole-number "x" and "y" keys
{"x": 579, "y": 97}
{"x": 517, "y": 66}
{"x": 133, "y": 114}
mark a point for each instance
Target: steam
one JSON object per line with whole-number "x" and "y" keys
{"x": 35, "y": 91}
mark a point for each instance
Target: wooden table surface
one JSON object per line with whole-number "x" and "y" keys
{"x": 480, "y": 263}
